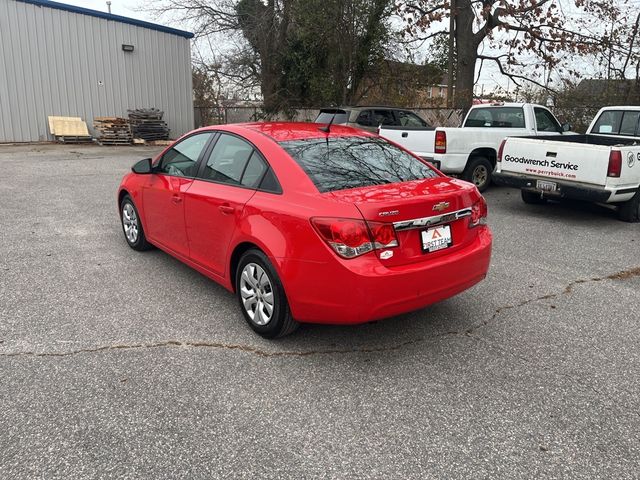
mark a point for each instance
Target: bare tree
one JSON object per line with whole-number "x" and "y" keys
{"x": 536, "y": 34}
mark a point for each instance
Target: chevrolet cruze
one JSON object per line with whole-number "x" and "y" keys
{"x": 309, "y": 223}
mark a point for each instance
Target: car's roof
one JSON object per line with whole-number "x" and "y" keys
{"x": 284, "y": 131}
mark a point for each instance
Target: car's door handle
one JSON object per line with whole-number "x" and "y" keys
{"x": 226, "y": 209}
{"x": 405, "y": 134}
{"x": 176, "y": 199}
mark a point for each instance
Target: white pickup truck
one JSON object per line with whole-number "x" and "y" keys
{"x": 602, "y": 166}
{"x": 471, "y": 151}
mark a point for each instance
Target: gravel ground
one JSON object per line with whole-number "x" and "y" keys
{"x": 116, "y": 364}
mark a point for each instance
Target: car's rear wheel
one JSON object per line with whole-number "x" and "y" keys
{"x": 132, "y": 226}
{"x": 629, "y": 211}
{"x": 261, "y": 296}
{"x": 478, "y": 172}
{"x": 532, "y": 198}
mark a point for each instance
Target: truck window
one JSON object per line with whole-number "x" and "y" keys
{"x": 545, "y": 121}
{"x": 629, "y": 124}
{"x": 496, "y": 117}
{"x": 608, "y": 122}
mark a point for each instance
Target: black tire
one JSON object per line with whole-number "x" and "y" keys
{"x": 139, "y": 241}
{"x": 629, "y": 211}
{"x": 281, "y": 322}
{"x": 478, "y": 171}
{"x": 532, "y": 198}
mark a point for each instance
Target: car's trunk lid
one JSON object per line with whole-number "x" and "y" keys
{"x": 414, "y": 207}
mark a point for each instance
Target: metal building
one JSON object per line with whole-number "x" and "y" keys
{"x": 57, "y": 59}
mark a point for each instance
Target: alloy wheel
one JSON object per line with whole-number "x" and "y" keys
{"x": 257, "y": 294}
{"x": 130, "y": 222}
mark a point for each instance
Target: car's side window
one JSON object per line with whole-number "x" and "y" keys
{"x": 182, "y": 158}
{"x": 364, "y": 118}
{"x": 227, "y": 160}
{"x": 409, "y": 119}
{"x": 545, "y": 121}
{"x": 383, "y": 117}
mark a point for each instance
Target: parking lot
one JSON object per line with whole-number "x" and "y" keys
{"x": 122, "y": 364}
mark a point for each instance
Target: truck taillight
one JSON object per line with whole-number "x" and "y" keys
{"x": 478, "y": 213}
{"x": 440, "y": 144}
{"x": 501, "y": 149}
{"x": 350, "y": 237}
{"x": 615, "y": 164}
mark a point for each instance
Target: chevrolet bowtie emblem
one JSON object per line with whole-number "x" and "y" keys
{"x": 441, "y": 206}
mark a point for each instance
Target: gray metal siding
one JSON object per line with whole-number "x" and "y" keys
{"x": 52, "y": 62}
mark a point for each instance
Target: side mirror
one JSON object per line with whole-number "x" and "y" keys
{"x": 566, "y": 127}
{"x": 143, "y": 167}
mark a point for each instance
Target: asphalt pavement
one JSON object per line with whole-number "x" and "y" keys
{"x": 119, "y": 364}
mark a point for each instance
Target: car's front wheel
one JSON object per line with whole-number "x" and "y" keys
{"x": 132, "y": 226}
{"x": 261, "y": 296}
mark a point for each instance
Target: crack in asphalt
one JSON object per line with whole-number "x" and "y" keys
{"x": 621, "y": 275}
{"x": 218, "y": 345}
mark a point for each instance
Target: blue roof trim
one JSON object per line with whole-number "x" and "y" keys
{"x": 108, "y": 16}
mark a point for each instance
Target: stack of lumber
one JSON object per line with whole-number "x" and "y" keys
{"x": 112, "y": 130}
{"x": 69, "y": 129}
{"x": 147, "y": 123}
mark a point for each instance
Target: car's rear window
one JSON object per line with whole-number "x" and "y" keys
{"x": 339, "y": 163}
{"x": 341, "y": 117}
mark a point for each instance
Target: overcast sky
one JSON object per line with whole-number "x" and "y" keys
{"x": 118, "y": 7}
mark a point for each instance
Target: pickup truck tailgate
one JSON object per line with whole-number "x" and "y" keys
{"x": 559, "y": 160}
{"x": 417, "y": 140}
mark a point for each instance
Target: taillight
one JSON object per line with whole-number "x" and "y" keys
{"x": 440, "y": 145}
{"x": 383, "y": 235}
{"x": 501, "y": 149}
{"x": 615, "y": 164}
{"x": 478, "y": 213}
{"x": 351, "y": 238}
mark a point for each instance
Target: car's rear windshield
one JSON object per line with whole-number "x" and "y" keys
{"x": 341, "y": 117}
{"x": 339, "y": 163}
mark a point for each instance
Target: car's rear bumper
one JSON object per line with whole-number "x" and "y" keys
{"x": 564, "y": 189}
{"x": 322, "y": 293}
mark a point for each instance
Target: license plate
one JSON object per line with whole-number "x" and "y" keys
{"x": 546, "y": 186}
{"x": 436, "y": 238}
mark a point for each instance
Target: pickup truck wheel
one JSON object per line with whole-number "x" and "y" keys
{"x": 629, "y": 211}
{"x": 478, "y": 172}
{"x": 532, "y": 198}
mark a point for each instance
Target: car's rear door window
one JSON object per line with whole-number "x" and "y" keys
{"x": 409, "y": 119}
{"x": 227, "y": 160}
{"x": 338, "y": 163}
{"x": 182, "y": 158}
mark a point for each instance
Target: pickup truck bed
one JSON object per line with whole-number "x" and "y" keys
{"x": 602, "y": 167}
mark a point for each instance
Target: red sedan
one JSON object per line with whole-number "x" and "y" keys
{"x": 306, "y": 225}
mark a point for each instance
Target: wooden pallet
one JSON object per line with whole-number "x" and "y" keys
{"x": 74, "y": 139}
